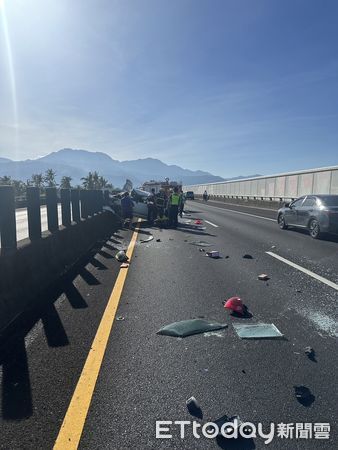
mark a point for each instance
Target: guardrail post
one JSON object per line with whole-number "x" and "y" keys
{"x": 106, "y": 197}
{"x": 75, "y": 199}
{"x": 84, "y": 203}
{"x": 33, "y": 213}
{"x": 100, "y": 201}
{"x": 65, "y": 207}
{"x": 7, "y": 220}
{"x": 52, "y": 209}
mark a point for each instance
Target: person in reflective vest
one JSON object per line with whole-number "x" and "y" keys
{"x": 174, "y": 204}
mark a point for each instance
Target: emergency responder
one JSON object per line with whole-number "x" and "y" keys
{"x": 174, "y": 204}
{"x": 161, "y": 202}
{"x": 182, "y": 202}
{"x": 152, "y": 208}
{"x": 127, "y": 206}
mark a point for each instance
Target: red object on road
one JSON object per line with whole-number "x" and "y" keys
{"x": 198, "y": 222}
{"x": 235, "y": 304}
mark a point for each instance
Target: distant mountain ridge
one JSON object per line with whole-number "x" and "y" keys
{"x": 77, "y": 164}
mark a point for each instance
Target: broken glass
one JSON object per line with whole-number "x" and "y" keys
{"x": 257, "y": 331}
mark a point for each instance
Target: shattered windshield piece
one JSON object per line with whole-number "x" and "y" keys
{"x": 257, "y": 331}
{"x": 188, "y": 327}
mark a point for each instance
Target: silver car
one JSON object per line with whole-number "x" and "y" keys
{"x": 317, "y": 213}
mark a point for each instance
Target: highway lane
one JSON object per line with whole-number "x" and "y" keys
{"x": 145, "y": 377}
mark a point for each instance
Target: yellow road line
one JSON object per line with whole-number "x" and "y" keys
{"x": 73, "y": 423}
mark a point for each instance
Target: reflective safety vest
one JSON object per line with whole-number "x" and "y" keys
{"x": 175, "y": 199}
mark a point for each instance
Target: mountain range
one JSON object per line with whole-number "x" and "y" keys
{"x": 77, "y": 164}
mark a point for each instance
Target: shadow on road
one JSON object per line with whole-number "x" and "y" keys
{"x": 16, "y": 400}
{"x": 235, "y": 444}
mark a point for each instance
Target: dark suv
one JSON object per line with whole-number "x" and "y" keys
{"x": 190, "y": 195}
{"x": 317, "y": 213}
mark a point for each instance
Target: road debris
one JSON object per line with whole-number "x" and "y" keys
{"x": 304, "y": 395}
{"x": 124, "y": 265}
{"x": 202, "y": 250}
{"x": 189, "y": 327}
{"x": 235, "y": 304}
{"x": 119, "y": 318}
{"x": 158, "y": 240}
{"x": 194, "y": 407}
{"x": 150, "y": 238}
{"x": 310, "y": 353}
{"x": 213, "y": 254}
{"x": 198, "y": 222}
{"x": 121, "y": 256}
{"x": 257, "y": 331}
{"x": 201, "y": 244}
{"x": 263, "y": 277}
{"x": 247, "y": 256}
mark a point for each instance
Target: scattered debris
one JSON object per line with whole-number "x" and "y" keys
{"x": 121, "y": 256}
{"x": 243, "y": 371}
{"x": 235, "y": 304}
{"x": 158, "y": 240}
{"x": 189, "y": 327}
{"x": 171, "y": 239}
{"x": 150, "y": 238}
{"x": 202, "y": 250}
{"x": 201, "y": 244}
{"x": 257, "y": 331}
{"x": 298, "y": 290}
{"x": 273, "y": 246}
{"x": 247, "y": 256}
{"x": 263, "y": 277}
{"x": 304, "y": 395}
{"x": 309, "y": 351}
{"x": 119, "y": 318}
{"x": 124, "y": 265}
{"x": 227, "y": 257}
{"x": 212, "y": 254}
{"x": 194, "y": 408}
{"x": 198, "y": 222}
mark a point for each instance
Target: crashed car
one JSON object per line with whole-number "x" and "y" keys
{"x": 316, "y": 213}
{"x": 139, "y": 199}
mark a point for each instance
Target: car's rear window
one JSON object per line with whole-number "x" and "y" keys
{"x": 330, "y": 200}
{"x": 190, "y": 192}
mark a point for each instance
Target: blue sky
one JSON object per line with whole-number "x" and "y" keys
{"x": 233, "y": 87}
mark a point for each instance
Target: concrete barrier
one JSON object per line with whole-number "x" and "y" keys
{"x": 38, "y": 263}
{"x": 274, "y": 188}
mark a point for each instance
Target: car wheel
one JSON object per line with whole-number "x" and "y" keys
{"x": 314, "y": 229}
{"x": 281, "y": 222}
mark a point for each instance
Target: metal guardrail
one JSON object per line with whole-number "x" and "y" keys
{"x": 76, "y": 205}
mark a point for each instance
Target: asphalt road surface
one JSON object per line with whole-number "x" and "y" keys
{"x": 145, "y": 377}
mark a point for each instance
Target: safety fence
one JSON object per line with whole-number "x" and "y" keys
{"x": 76, "y": 206}
{"x": 275, "y": 188}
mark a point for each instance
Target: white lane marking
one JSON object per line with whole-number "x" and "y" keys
{"x": 302, "y": 269}
{"x": 244, "y": 214}
{"x": 210, "y": 223}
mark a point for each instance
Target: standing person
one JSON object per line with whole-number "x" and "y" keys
{"x": 174, "y": 204}
{"x": 182, "y": 202}
{"x": 161, "y": 202}
{"x": 127, "y": 206}
{"x": 152, "y": 207}
{"x": 205, "y": 196}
